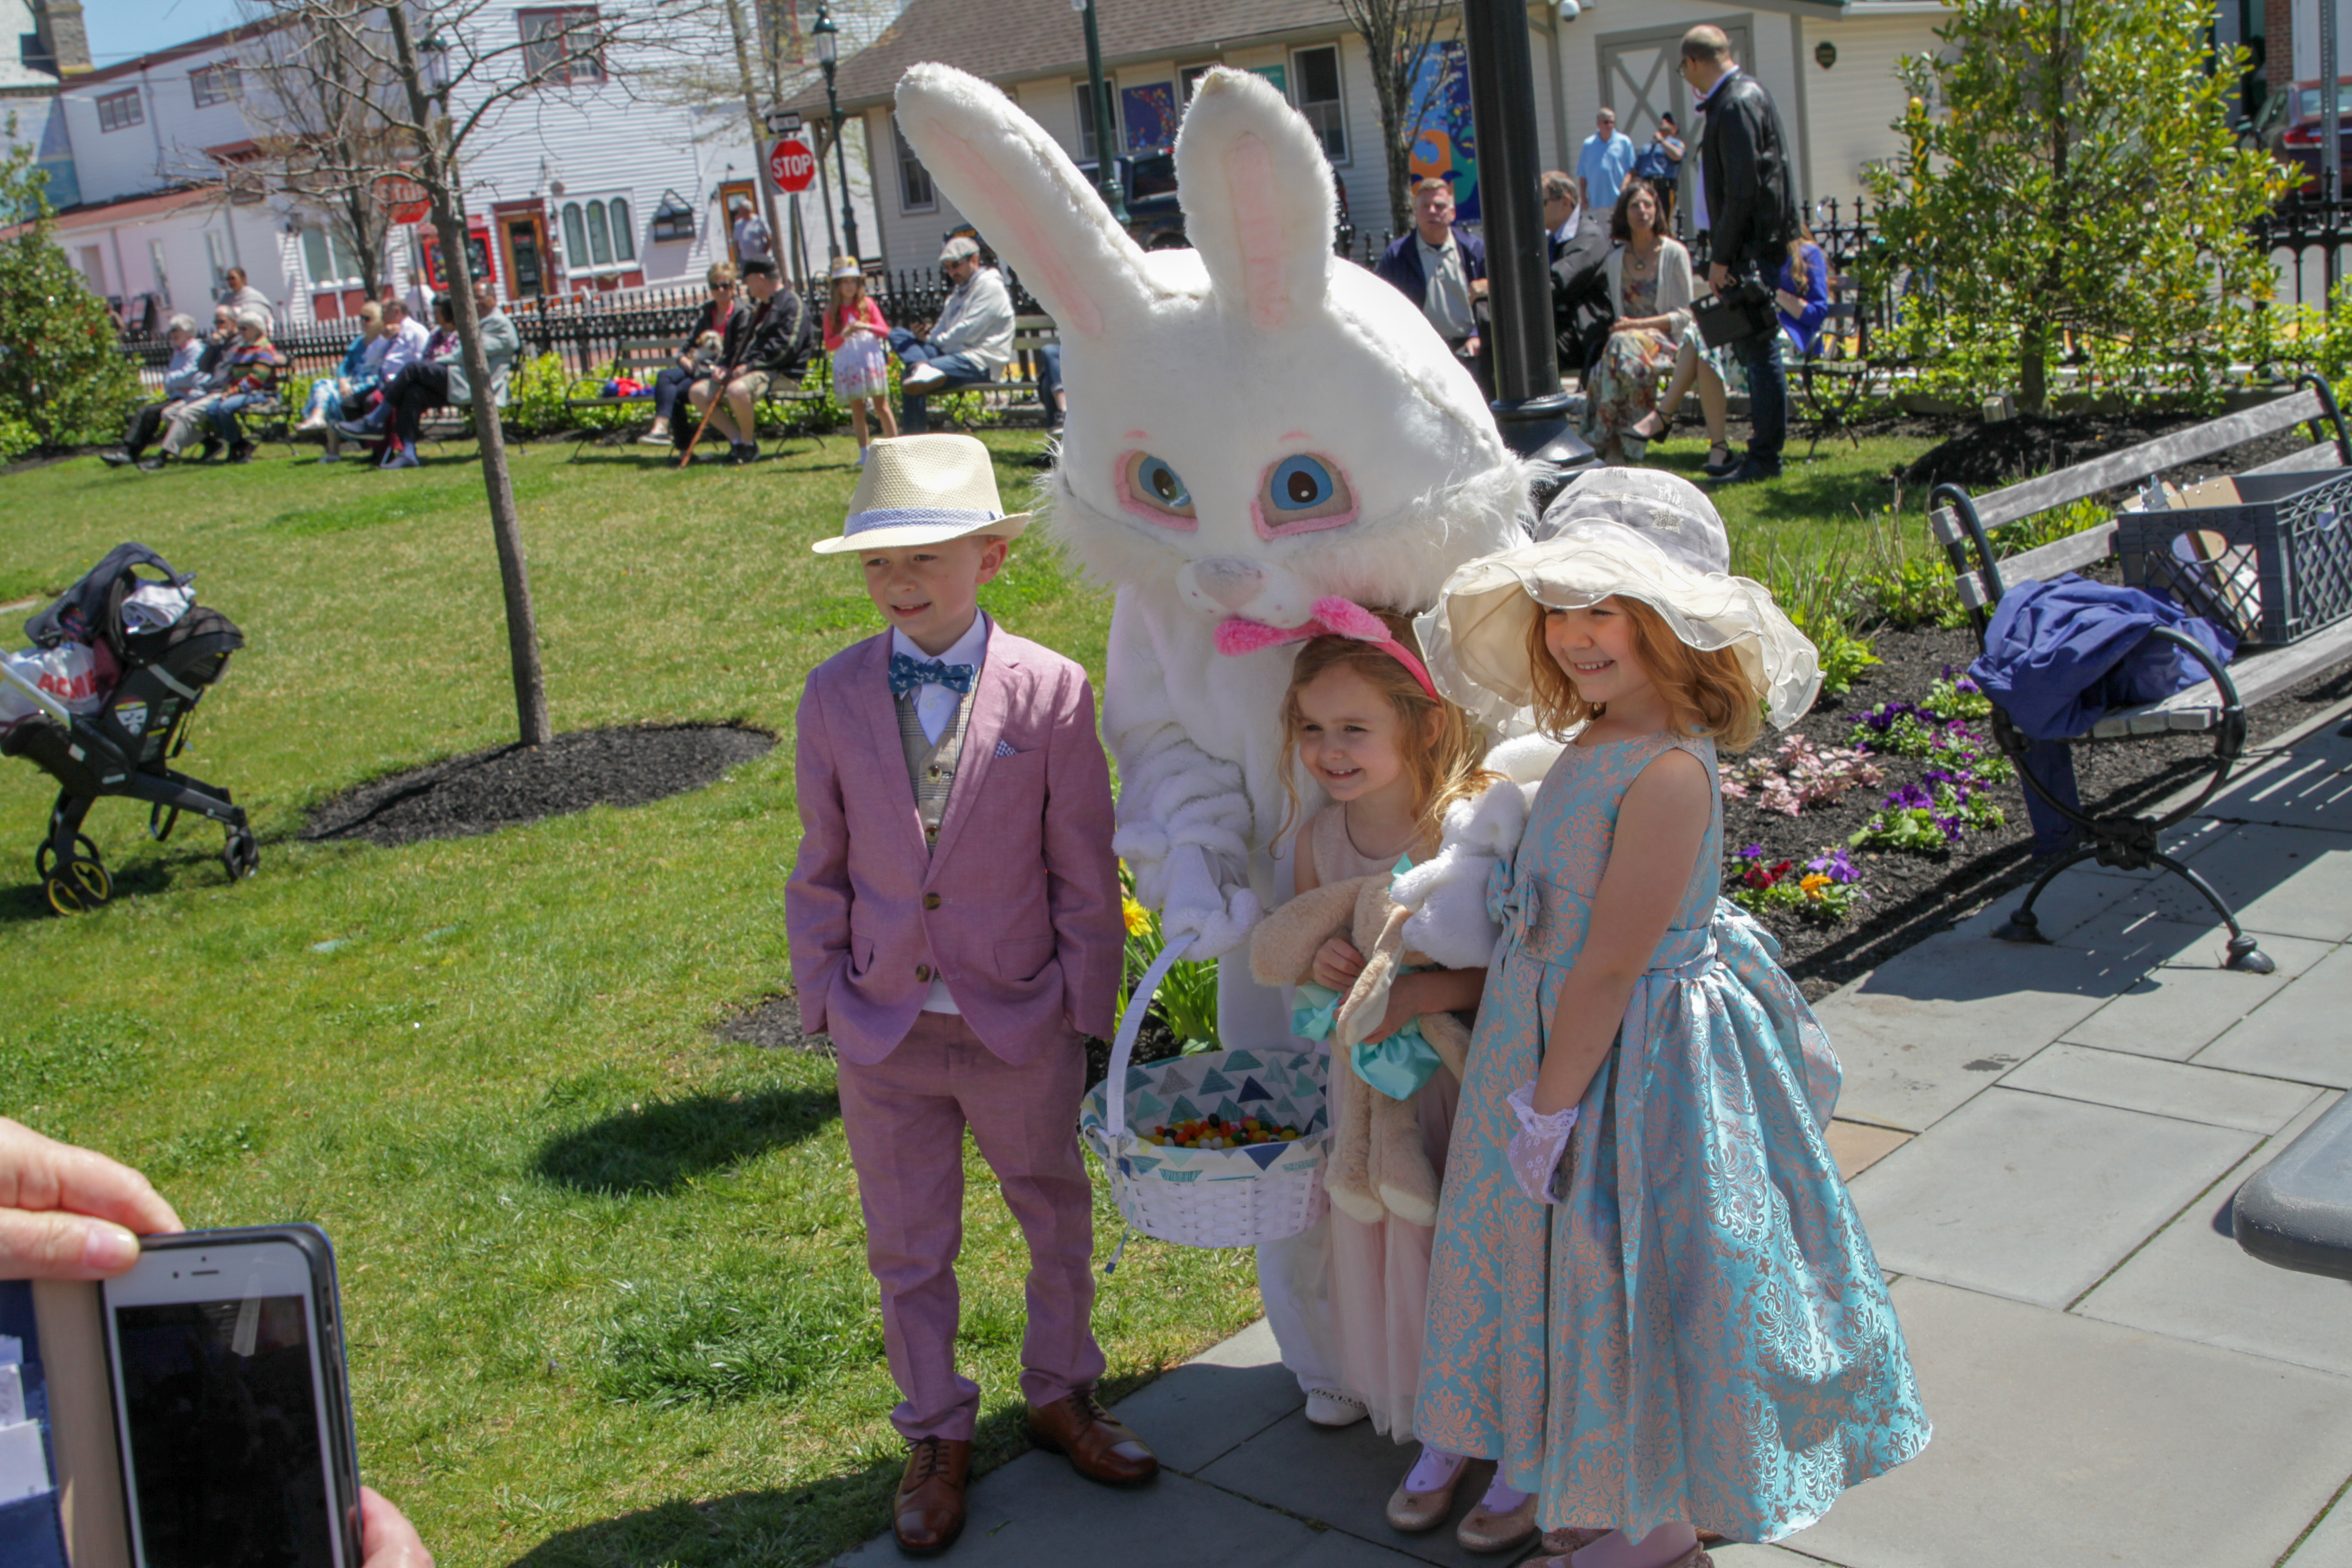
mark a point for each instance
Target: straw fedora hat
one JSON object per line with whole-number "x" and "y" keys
{"x": 923, "y": 489}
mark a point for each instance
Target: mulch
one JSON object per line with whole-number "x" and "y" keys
{"x": 487, "y": 790}
{"x": 1987, "y": 456}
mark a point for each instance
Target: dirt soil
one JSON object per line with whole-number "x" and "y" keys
{"x": 1988, "y": 457}
{"x": 1913, "y": 896}
{"x": 507, "y": 784}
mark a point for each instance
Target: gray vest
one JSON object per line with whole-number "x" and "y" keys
{"x": 931, "y": 768}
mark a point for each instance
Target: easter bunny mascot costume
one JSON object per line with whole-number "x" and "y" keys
{"x": 1256, "y": 424}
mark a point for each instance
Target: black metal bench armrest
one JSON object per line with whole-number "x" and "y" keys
{"x": 2296, "y": 1212}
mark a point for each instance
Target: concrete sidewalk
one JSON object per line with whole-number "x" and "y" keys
{"x": 2043, "y": 1143}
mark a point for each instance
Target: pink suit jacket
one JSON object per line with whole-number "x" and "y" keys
{"x": 1018, "y": 909}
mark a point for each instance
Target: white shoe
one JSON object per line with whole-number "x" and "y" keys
{"x": 330, "y": 457}
{"x": 923, "y": 375}
{"x": 1329, "y": 1409}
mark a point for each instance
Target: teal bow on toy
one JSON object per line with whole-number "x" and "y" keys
{"x": 1397, "y": 1066}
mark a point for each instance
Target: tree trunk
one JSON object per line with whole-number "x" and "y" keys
{"x": 506, "y": 526}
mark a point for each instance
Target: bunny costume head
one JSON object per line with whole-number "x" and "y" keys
{"x": 1254, "y": 425}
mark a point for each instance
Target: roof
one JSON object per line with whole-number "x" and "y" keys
{"x": 129, "y": 209}
{"x": 210, "y": 41}
{"x": 1003, "y": 40}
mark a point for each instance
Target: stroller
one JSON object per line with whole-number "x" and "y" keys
{"x": 153, "y": 652}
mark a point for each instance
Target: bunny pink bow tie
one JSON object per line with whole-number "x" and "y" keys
{"x": 1333, "y": 617}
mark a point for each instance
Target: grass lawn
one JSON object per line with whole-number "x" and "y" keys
{"x": 603, "y": 1272}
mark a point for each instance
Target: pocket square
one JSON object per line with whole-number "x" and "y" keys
{"x": 1004, "y": 749}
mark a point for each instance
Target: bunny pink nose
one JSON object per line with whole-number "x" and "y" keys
{"x": 1233, "y": 584}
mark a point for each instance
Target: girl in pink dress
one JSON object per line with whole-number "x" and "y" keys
{"x": 1392, "y": 755}
{"x": 853, "y": 332}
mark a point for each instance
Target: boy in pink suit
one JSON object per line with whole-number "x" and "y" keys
{"x": 955, "y": 923}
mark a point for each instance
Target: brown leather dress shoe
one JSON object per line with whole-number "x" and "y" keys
{"x": 928, "y": 1513}
{"x": 1098, "y": 1447}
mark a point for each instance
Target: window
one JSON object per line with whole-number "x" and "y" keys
{"x": 1320, "y": 99}
{"x": 1087, "y": 119}
{"x": 1189, "y": 82}
{"x": 561, "y": 45}
{"x": 120, "y": 110}
{"x": 327, "y": 259}
{"x": 216, "y": 84}
{"x": 915, "y": 193}
{"x": 599, "y": 233}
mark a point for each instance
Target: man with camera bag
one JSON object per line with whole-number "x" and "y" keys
{"x": 1752, "y": 200}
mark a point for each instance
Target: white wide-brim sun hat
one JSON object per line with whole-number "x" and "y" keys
{"x": 923, "y": 489}
{"x": 1477, "y": 637}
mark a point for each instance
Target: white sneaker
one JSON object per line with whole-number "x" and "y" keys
{"x": 1329, "y": 1409}
{"x": 923, "y": 375}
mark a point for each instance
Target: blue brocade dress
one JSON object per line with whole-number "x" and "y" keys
{"x": 1699, "y": 1331}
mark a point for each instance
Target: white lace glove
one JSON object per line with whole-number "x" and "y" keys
{"x": 1537, "y": 1146}
{"x": 1218, "y": 919}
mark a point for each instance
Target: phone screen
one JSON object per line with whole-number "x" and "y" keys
{"x": 221, "y": 1412}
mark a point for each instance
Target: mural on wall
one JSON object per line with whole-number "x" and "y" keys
{"x": 1150, "y": 115}
{"x": 1446, "y": 146}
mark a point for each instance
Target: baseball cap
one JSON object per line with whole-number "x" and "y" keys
{"x": 958, "y": 247}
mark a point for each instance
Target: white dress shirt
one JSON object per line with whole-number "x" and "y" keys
{"x": 403, "y": 348}
{"x": 935, "y": 710}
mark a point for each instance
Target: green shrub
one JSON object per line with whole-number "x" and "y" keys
{"x": 63, "y": 379}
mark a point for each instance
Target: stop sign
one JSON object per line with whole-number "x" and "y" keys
{"x": 404, "y": 199}
{"x": 792, "y": 164}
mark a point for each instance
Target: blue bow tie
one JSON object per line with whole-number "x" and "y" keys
{"x": 905, "y": 674}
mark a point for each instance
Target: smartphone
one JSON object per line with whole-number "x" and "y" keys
{"x": 232, "y": 1403}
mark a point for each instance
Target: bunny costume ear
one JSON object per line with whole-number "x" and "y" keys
{"x": 1019, "y": 187}
{"x": 1257, "y": 197}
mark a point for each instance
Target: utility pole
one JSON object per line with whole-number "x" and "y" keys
{"x": 1529, "y": 405}
{"x": 2331, "y": 134}
{"x": 1105, "y": 129}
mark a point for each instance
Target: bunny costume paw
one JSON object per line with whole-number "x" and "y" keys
{"x": 1447, "y": 892}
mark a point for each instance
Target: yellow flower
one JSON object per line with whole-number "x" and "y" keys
{"x": 1813, "y": 884}
{"x": 1139, "y": 919}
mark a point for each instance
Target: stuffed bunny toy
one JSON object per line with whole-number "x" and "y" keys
{"x": 1255, "y": 425}
{"x": 1375, "y": 1164}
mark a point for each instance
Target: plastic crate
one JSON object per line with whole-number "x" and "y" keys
{"x": 2277, "y": 566}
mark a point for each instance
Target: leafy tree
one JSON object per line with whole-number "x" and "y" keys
{"x": 2070, "y": 172}
{"x": 1401, "y": 36}
{"x": 62, "y": 373}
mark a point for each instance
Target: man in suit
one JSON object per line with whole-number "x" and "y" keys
{"x": 956, "y": 926}
{"x": 1443, "y": 274}
{"x": 1751, "y": 202}
{"x": 764, "y": 345}
{"x": 1578, "y": 239}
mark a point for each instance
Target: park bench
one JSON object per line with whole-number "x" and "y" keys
{"x": 2217, "y": 706}
{"x": 645, "y": 358}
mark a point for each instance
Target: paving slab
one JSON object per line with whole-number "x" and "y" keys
{"x": 1337, "y": 1549}
{"x": 2195, "y": 1282}
{"x": 2329, "y": 1545}
{"x": 2309, "y": 785}
{"x": 1936, "y": 1025}
{"x": 2282, "y": 881}
{"x": 2304, "y": 1033}
{"x": 2162, "y": 1088}
{"x": 1036, "y": 1510}
{"x": 2080, "y": 894}
{"x": 1761, "y": 1557}
{"x": 2035, "y": 1198}
{"x": 1215, "y": 1402}
{"x": 1343, "y": 1478}
{"x": 1857, "y": 1146}
{"x": 2187, "y": 1002}
{"x": 2061, "y": 1441}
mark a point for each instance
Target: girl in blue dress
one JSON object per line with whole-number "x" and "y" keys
{"x": 1669, "y": 1323}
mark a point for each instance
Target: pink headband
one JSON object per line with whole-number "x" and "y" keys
{"x": 1333, "y": 617}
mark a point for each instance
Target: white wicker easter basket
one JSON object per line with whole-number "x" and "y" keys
{"x": 1209, "y": 1198}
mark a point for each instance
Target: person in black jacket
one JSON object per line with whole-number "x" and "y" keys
{"x": 1751, "y": 202}
{"x": 764, "y": 346}
{"x": 1578, "y": 240}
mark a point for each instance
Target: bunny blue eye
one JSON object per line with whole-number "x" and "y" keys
{"x": 1300, "y": 483}
{"x": 1152, "y": 488}
{"x": 1303, "y": 492}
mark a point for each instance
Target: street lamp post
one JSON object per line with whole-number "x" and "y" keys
{"x": 1098, "y": 95}
{"x": 1529, "y": 405}
{"x": 827, "y": 35}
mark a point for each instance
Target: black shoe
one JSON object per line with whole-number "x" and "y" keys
{"x": 242, "y": 452}
{"x": 743, "y": 452}
{"x": 1749, "y": 472}
{"x": 211, "y": 450}
{"x": 118, "y": 459}
{"x": 1716, "y": 470}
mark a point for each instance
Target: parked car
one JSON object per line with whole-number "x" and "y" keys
{"x": 2296, "y": 117}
